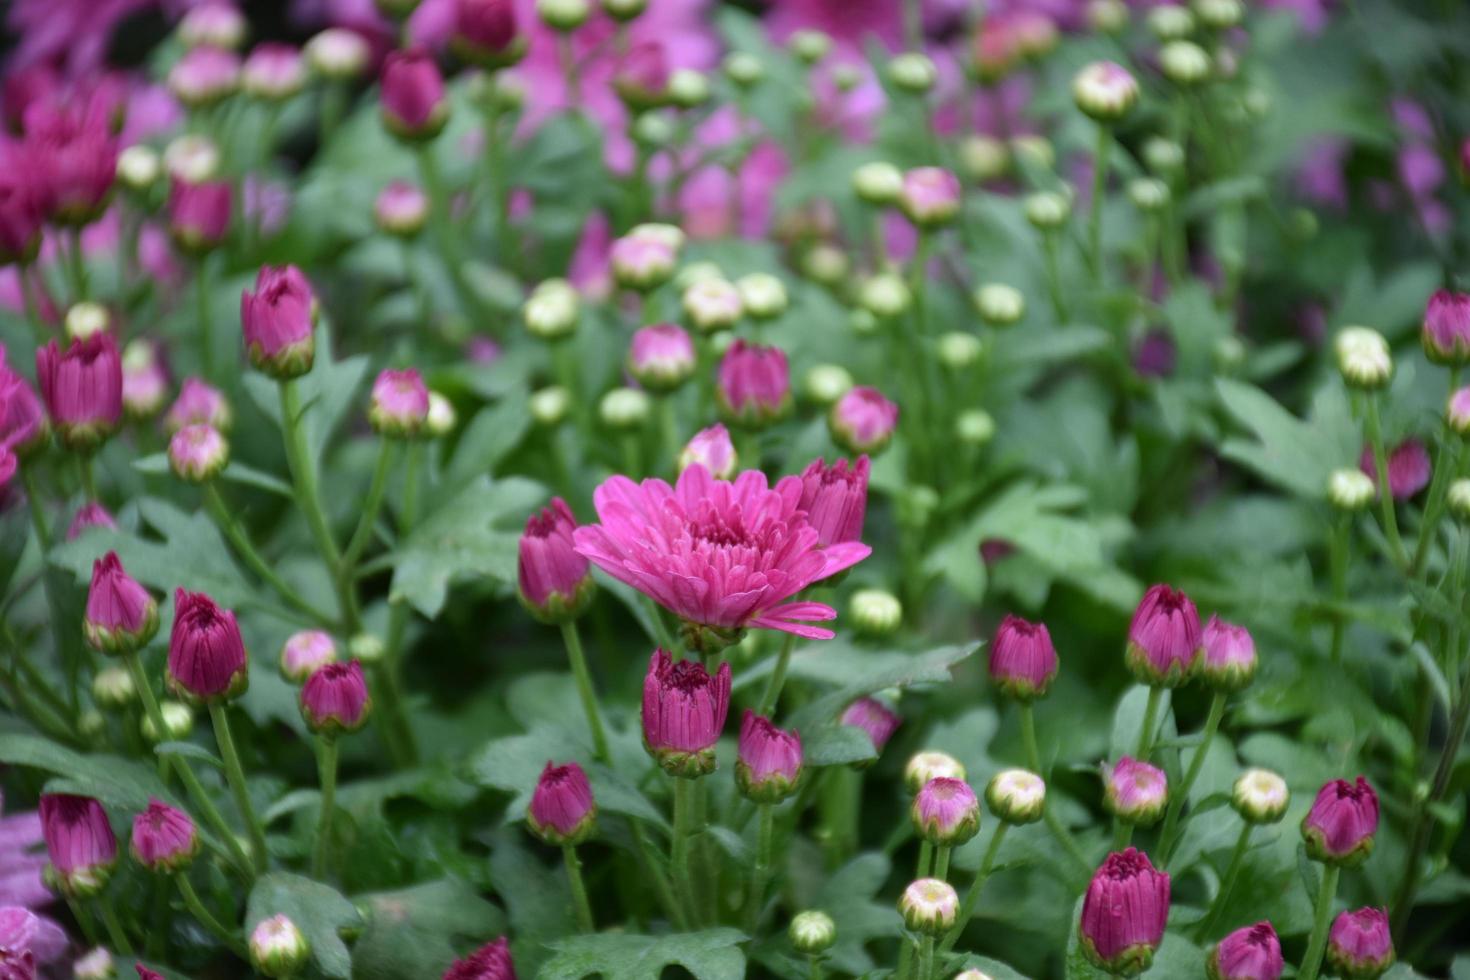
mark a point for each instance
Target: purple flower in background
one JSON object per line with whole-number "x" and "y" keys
{"x": 874, "y": 718}
{"x": 82, "y": 387}
{"x": 1409, "y": 468}
{"x": 199, "y": 214}
{"x": 22, "y": 860}
{"x": 1154, "y": 355}
{"x": 1320, "y": 175}
{"x": 414, "y": 103}
{"x": 1445, "y": 333}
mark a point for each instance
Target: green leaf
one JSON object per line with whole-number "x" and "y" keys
{"x": 1128, "y": 720}
{"x": 837, "y": 745}
{"x": 535, "y": 894}
{"x": 488, "y": 438}
{"x": 848, "y": 896}
{"x": 417, "y": 932}
{"x": 236, "y": 472}
{"x": 119, "y": 783}
{"x": 1295, "y": 455}
{"x": 713, "y": 954}
{"x": 931, "y": 667}
{"x": 319, "y": 912}
{"x": 188, "y": 750}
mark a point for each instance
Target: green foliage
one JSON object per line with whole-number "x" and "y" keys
{"x": 319, "y": 911}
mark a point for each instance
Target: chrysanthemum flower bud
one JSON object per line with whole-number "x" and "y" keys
{"x": 1148, "y": 194}
{"x": 79, "y": 843}
{"x": 1047, "y": 210}
{"x": 554, "y": 581}
{"x": 1458, "y": 498}
{"x": 304, "y": 652}
{"x": 823, "y": 384}
{"x": 1184, "y": 62}
{"x": 1105, "y": 91}
{"x": 1163, "y": 156}
{"x": 413, "y": 103}
{"x": 144, "y": 380}
{"x": 624, "y": 10}
{"x": 930, "y": 197}
{"x": 974, "y": 427}
{"x": 624, "y": 409}
{"x": 204, "y": 76}
{"x": 1023, "y": 662}
{"x": 998, "y": 304}
{"x": 1409, "y": 468}
{"x": 215, "y": 24}
{"x": 1219, "y": 15}
{"x": 91, "y": 724}
{"x": 1457, "y": 412}
{"x": 753, "y": 386}
{"x": 199, "y": 215}
{"x": 878, "y": 183}
{"x": 113, "y": 688}
{"x": 82, "y": 389}
{"x": 812, "y": 932}
{"x": 96, "y": 964}
{"x": 642, "y": 262}
{"x": 549, "y": 405}
{"x": 1363, "y": 358}
{"x": 885, "y": 295}
{"x": 825, "y": 263}
{"x": 277, "y": 322}
{"x": 1016, "y": 796}
{"x": 958, "y": 350}
{"x": 874, "y": 718}
{"x": 923, "y": 767}
{"x": 946, "y": 812}
{"x": 1135, "y": 792}
{"x": 164, "y": 839}
{"x": 335, "y": 699}
{"x": 862, "y": 421}
{"x": 875, "y": 612}
{"x": 197, "y": 453}
{"x": 684, "y": 710}
{"x": 929, "y": 906}
{"x": 1446, "y": 330}
{"x": 367, "y": 647}
{"x": 984, "y": 158}
{"x": 192, "y": 158}
{"x": 1035, "y": 151}
{"x": 1124, "y": 913}
{"x": 563, "y": 15}
{"x": 121, "y": 616}
{"x": 1169, "y": 22}
{"x": 1248, "y": 953}
{"x": 912, "y": 72}
{"x": 641, "y": 76}
{"x": 139, "y": 167}
{"x": 743, "y": 69}
{"x": 769, "y": 765}
{"x": 713, "y": 449}
{"x": 763, "y": 295}
{"x": 178, "y": 723}
{"x": 401, "y": 209}
{"x": 810, "y": 46}
{"x": 1035, "y": 33}
{"x": 1164, "y": 638}
{"x": 1340, "y": 827}
{"x": 485, "y": 33}
{"x": 490, "y": 962}
{"x": 713, "y": 305}
{"x": 338, "y": 54}
{"x": 273, "y": 72}
{"x": 688, "y": 89}
{"x": 199, "y": 403}
{"x": 1107, "y": 16}
{"x": 1230, "y": 656}
{"x": 85, "y": 319}
{"x": 206, "y": 654}
{"x": 400, "y": 404}
{"x": 1350, "y": 490}
{"x": 278, "y": 948}
{"x": 552, "y": 310}
{"x": 562, "y": 810}
{"x": 442, "y": 417}
{"x": 1359, "y": 944}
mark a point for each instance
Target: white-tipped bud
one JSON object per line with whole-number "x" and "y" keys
{"x": 85, "y": 319}
{"x": 743, "y": 69}
{"x": 1107, "y": 16}
{"x": 192, "y": 158}
{"x": 1047, "y": 210}
{"x": 998, "y": 304}
{"x": 549, "y": 405}
{"x": 826, "y": 263}
{"x": 959, "y": 350}
{"x": 984, "y": 158}
{"x": 875, "y": 612}
{"x": 563, "y": 15}
{"x": 1219, "y": 15}
{"x": 113, "y": 688}
{"x": 1034, "y": 150}
{"x": 713, "y": 305}
{"x": 1148, "y": 194}
{"x": 1163, "y": 156}
{"x": 278, "y": 948}
{"x": 624, "y": 408}
{"x": 924, "y": 766}
{"x": 442, "y": 416}
{"x": 1350, "y": 489}
{"x": 810, "y": 46}
{"x": 974, "y": 427}
{"x": 1363, "y": 358}
{"x": 885, "y": 295}
{"x": 94, "y": 965}
{"x": 812, "y": 932}
{"x": 1184, "y": 62}
{"x": 338, "y": 53}
{"x": 1105, "y": 91}
{"x": 1169, "y": 22}
{"x": 1016, "y": 796}
{"x": 688, "y": 89}
{"x": 1260, "y": 796}
{"x": 825, "y": 383}
{"x": 763, "y": 295}
{"x": 1458, "y": 498}
{"x": 553, "y": 310}
{"x": 913, "y": 72}
{"x": 178, "y": 723}
{"x": 929, "y": 906}
{"x": 138, "y": 169}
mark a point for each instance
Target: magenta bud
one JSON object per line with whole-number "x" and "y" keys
{"x": 835, "y": 499}
{"x": 1457, "y": 412}
{"x": 401, "y": 209}
{"x": 642, "y": 262}
{"x": 199, "y": 214}
{"x": 1340, "y": 826}
{"x": 72, "y": 157}
{"x": 79, "y": 842}
{"x": 1124, "y": 913}
{"x": 946, "y": 812}
{"x": 164, "y": 839}
{"x": 146, "y": 974}
{"x": 713, "y": 449}
{"x": 1409, "y": 468}
{"x": 400, "y": 403}
{"x": 82, "y": 388}
{"x": 199, "y": 402}
{"x": 335, "y": 699}
{"x": 661, "y": 357}
{"x": 273, "y": 72}
{"x": 1230, "y": 656}
{"x": 554, "y": 582}
{"x": 862, "y": 420}
{"x": 21, "y": 218}
{"x": 930, "y": 197}
{"x": 641, "y": 78}
{"x": 1359, "y": 945}
{"x": 874, "y": 718}
{"x": 414, "y": 104}
{"x": 1164, "y": 639}
{"x": 769, "y": 765}
{"x": 1446, "y": 330}
{"x": 304, "y": 652}
{"x": 1135, "y": 792}
{"x": 197, "y": 453}
{"x": 562, "y": 810}
{"x": 1023, "y": 662}
{"x": 144, "y": 379}
{"x": 485, "y": 33}
{"x": 684, "y": 711}
{"x": 23, "y": 426}
{"x": 121, "y": 616}
{"x": 1248, "y": 953}
{"x": 206, "y": 654}
{"x": 277, "y": 322}
{"x": 89, "y": 516}
{"x": 204, "y": 75}
{"x": 753, "y": 386}
{"x": 489, "y": 962}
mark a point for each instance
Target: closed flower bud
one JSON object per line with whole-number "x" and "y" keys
{"x": 335, "y": 699}
{"x": 113, "y": 688}
{"x": 1248, "y": 953}
{"x": 1124, "y": 913}
{"x": 273, "y": 72}
{"x": 713, "y": 449}
{"x": 1105, "y": 91}
{"x": 1446, "y": 331}
{"x": 1184, "y": 62}
{"x": 688, "y": 89}
{"x": 164, "y": 839}
{"x": 875, "y": 612}
{"x": 216, "y": 24}
{"x": 192, "y": 158}
{"x": 144, "y": 380}
{"x": 1035, "y": 152}
{"x": 825, "y": 383}
{"x": 1230, "y": 656}
{"x": 490, "y": 962}
{"x": 400, "y": 404}
{"x": 812, "y": 932}
{"x": 82, "y": 389}
{"x": 552, "y": 310}
{"x": 862, "y": 322}
{"x": 1409, "y": 468}
{"x": 713, "y": 305}
{"x": 878, "y": 183}
{"x": 684, "y": 711}
{"x": 1340, "y": 827}
{"x": 974, "y": 427}
{"x": 94, "y": 965}
{"x": 1169, "y": 22}
{"x": 1107, "y": 16}
{"x": 1164, "y": 638}
{"x": 984, "y": 158}
{"x": 304, "y": 652}
{"x": 1016, "y": 796}
{"x": 401, "y": 209}
{"x": 79, "y": 843}
{"x": 1023, "y": 662}
{"x": 178, "y": 723}
{"x": 85, "y": 319}
{"x": 923, "y": 767}
{"x": 1458, "y": 499}
{"x": 277, "y": 322}
{"x": 743, "y": 69}
{"x": 959, "y": 350}
{"x": 554, "y": 581}
{"x": 562, "y": 811}
{"x": 998, "y": 304}
{"x": 641, "y": 76}
{"x": 929, "y": 906}
{"x": 199, "y": 403}
{"x": 930, "y": 197}
{"x": 563, "y": 15}
{"x": 549, "y": 405}
{"x": 367, "y": 648}
{"x": 827, "y": 264}
{"x": 1359, "y": 944}
{"x": 1219, "y": 15}
{"x": 642, "y": 262}
{"x": 485, "y": 33}
{"x": 1135, "y": 792}
{"x": 278, "y": 948}
{"x": 204, "y": 76}
{"x": 197, "y": 453}
{"x": 885, "y": 295}
{"x": 753, "y": 387}
{"x": 199, "y": 214}
{"x": 414, "y": 104}
{"x": 874, "y": 718}
{"x": 769, "y": 764}
{"x": 1163, "y": 156}
{"x": 1363, "y": 358}
{"x": 912, "y": 72}
{"x": 1148, "y": 194}
{"x": 442, "y": 417}
{"x": 863, "y": 421}
{"x": 1047, "y": 210}
{"x": 763, "y": 295}
{"x": 121, "y": 616}
{"x": 1457, "y": 412}
{"x": 946, "y": 812}
{"x": 338, "y": 54}
{"x": 624, "y": 409}
{"x": 1350, "y": 490}
{"x": 624, "y": 10}
{"x": 206, "y": 654}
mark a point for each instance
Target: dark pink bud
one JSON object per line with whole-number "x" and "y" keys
{"x": 277, "y": 321}
{"x": 1023, "y": 662}
{"x": 71, "y": 158}
{"x": 835, "y": 499}
{"x": 754, "y": 385}
{"x": 121, "y": 616}
{"x": 204, "y": 75}
{"x": 335, "y": 698}
{"x": 873, "y": 717}
{"x": 21, "y": 216}
{"x": 274, "y": 71}
{"x": 769, "y": 765}
{"x": 1155, "y": 354}
{"x": 946, "y": 812}
{"x": 82, "y": 388}
{"x": 1409, "y": 468}
{"x": 1135, "y": 792}
{"x": 199, "y": 214}
{"x": 146, "y": 974}
{"x": 562, "y": 810}
{"x": 684, "y": 711}
{"x": 1124, "y": 913}
{"x": 642, "y": 76}
{"x": 1446, "y": 330}
{"x": 1340, "y": 826}
{"x": 414, "y": 105}
{"x": 930, "y": 197}
{"x": 164, "y": 839}
{"x": 91, "y": 515}
{"x": 199, "y": 403}
{"x": 22, "y": 420}
{"x": 555, "y": 582}
{"x": 206, "y": 654}
{"x": 1359, "y": 945}
{"x": 661, "y": 356}
{"x": 491, "y": 962}
{"x": 400, "y": 403}
{"x": 1248, "y": 953}
{"x": 485, "y": 32}
{"x": 862, "y": 420}
{"x": 1164, "y": 639}
{"x": 80, "y": 843}
{"x": 1230, "y": 655}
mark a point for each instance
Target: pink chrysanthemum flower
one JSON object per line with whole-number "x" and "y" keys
{"x": 722, "y": 556}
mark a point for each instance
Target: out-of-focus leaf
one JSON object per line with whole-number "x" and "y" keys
{"x": 417, "y": 932}
{"x": 320, "y": 912}
{"x": 120, "y": 783}
{"x": 1295, "y": 455}
{"x": 713, "y": 954}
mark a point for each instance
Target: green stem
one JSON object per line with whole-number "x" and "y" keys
{"x": 206, "y": 319}
{"x": 1338, "y": 565}
{"x": 1434, "y": 508}
{"x": 115, "y": 931}
{"x": 88, "y": 470}
{"x": 1312, "y": 961}
{"x": 38, "y": 511}
{"x": 1150, "y": 721}
{"x": 972, "y": 897}
{"x": 673, "y": 908}
{"x": 333, "y": 107}
{"x": 926, "y": 959}
{"x": 205, "y": 918}
{"x": 326, "y": 763}
{"x": 235, "y": 776}
{"x": 76, "y": 265}
{"x": 443, "y": 228}
{"x": 669, "y": 424}
{"x": 683, "y": 805}
{"x": 1385, "y": 494}
{"x": 1048, "y": 813}
{"x": 765, "y": 838}
{"x": 240, "y": 541}
{"x": 1424, "y": 822}
{"x": 578, "y": 659}
{"x": 926, "y": 860}
{"x": 308, "y": 497}
{"x": 1122, "y": 835}
{"x": 814, "y": 967}
{"x": 365, "y": 524}
{"x": 1099, "y": 188}
{"x": 1177, "y": 796}
{"x": 778, "y": 677}
{"x": 941, "y": 862}
{"x": 579, "y": 890}
{"x": 1051, "y": 252}
{"x": 1227, "y": 883}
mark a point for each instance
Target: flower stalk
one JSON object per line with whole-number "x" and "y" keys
{"x": 1326, "y": 892}
{"x": 235, "y": 776}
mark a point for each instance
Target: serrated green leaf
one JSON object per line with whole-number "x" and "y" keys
{"x": 320, "y": 912}
{"x": 120, "y": 783}
{"x": 713, "y": 954}
{"x": 932, "y": 667}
